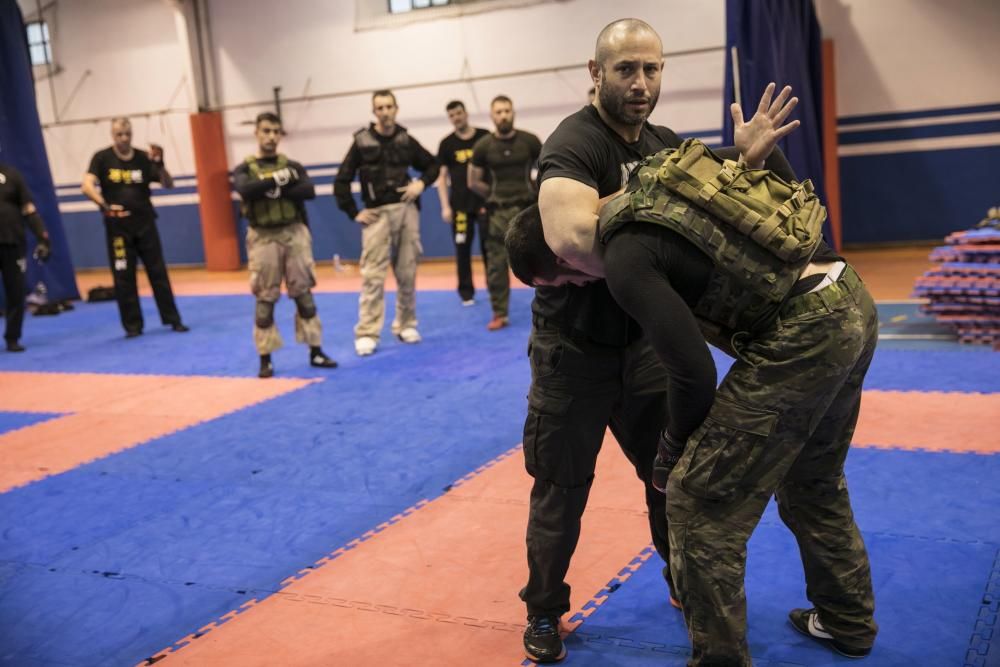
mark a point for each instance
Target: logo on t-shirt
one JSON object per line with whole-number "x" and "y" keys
{"x": 126, "y": 176}
{"x": 463, "y": 155}
{"x": 627, "y": 168}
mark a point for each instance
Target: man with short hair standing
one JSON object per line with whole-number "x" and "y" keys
{"x": 509, "y": 156}
{"x": 383, "y": 152}
{"x": 279, "y": 245}
{"x": 461, "y": 208}
{"x": 118, "y": 182}
{"x": 591, "y": 367}
{"x": 17, "y": 211}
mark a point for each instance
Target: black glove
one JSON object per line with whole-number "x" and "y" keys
{"x": 43, "y": 250}
{"x": 668, "y": 453}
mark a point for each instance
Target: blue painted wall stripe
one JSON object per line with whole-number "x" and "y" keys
{"x": 923, "y": 113}
{"x": 920, "y": 132}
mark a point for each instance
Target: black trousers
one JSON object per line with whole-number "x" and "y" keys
{"x": 466, "y": 222}
{"x": 577, "y": 391}
{"x": 12, "y": 266}
{"x": 131, "y": 239}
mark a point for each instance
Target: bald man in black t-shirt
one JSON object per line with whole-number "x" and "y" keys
{"x": 118, "y": 180}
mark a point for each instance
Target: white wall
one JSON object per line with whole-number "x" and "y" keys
{"x": 121, "y": 57}
{"x": 891, "y": 55}
{"x": 902, "y": 55}
{"x": 323, "y": 54}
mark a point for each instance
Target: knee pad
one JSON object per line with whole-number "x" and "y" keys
{"x": 306, "y": 306}
{"x": 264, "y": 314}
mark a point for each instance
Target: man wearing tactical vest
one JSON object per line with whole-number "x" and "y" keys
{"x": 279, "y": 245}
{"x": 383, "y": 152}
{"x": 508, "y": 155}
{"x": 697, "y": 249}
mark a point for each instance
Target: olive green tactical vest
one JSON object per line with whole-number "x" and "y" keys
{"x": 759, "y": 231}
{"x": 269, "y": 212}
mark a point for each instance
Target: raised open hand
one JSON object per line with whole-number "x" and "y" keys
{"x": 758, "y": 137}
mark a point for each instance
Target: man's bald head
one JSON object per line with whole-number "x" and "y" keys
{"x": 617, "y": 33}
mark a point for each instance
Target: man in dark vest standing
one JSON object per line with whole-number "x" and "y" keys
{"x": 383, "y": 152}
{"x": 279, "y": 244}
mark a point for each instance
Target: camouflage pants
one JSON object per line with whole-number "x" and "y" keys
{"x": 393, "y": 239}
{"x": 497, "y": 267}
{"x": 781, "y": 425}
{"x": 275, "y": 254}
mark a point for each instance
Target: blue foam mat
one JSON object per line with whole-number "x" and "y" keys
{"x": 243, "y": 501}
{"x": 947, "y": 579}
{"x": 11, "y": 421}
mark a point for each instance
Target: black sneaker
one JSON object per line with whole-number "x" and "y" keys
{"x": 542, "y": 642}
{"x": 14, "y": 346}
{"x": 180, "y": 328}
{"x": 320, "y": 360}
{"x": 807, "y": 622}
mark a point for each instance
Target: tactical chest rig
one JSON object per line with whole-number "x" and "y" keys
{"x": 270, "y": 212}
{"x": 759, "y": 231}
{"x": 384, "y": 166}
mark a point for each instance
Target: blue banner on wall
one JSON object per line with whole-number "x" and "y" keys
{"x": 780, "y": 41}
{"x": 22, "y": 146}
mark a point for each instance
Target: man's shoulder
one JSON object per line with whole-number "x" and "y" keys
{"x": 103, "y": 153}
{"x": 530, "y": 137}
{"x": 663, "y": 134}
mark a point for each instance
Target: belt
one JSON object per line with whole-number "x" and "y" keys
{"x": 823, "y": 297}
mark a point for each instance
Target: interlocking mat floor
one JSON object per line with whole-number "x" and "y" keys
{"x": 160, "y": 504}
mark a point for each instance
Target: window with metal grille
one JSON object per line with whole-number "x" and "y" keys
{"x": 38, "y": 43}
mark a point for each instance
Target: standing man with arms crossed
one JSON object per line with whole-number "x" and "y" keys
{"x": 279, "y": 245}
{"x": 591, "y": 368}
{"x": 390, "y": 233}
{"x": 118, "y": 182}
{"x": 461, "y": 207}
{"x": 17, "y": 211}
{"x": 509, "y": 155}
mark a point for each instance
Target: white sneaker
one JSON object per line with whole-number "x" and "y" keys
{"x": 468, "y": 302}
{"x": 365, "y": 346}
{"x": 409, "y": 335}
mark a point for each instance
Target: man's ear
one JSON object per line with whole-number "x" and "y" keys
{"x": 595, "y": 71}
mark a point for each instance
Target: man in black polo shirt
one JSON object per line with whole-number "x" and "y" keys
{"x": 461, "y": 208}
{"x": 508, "y": 155}
{"x": 17, "y": 211}
{"x": 118, "y": 182}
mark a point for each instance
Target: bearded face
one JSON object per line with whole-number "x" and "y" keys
{"x": 627, "y": 95}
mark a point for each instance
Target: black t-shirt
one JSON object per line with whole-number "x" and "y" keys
{"x": 509, "y": 163}
{"x": 454, "y": 154}
{"x": 125, "y": 182}
{"x": 14, "y": 196}
{"x": 585, "y": 149}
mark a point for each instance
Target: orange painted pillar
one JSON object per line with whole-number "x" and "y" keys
{"x": 831, "y": 161}
{"x": 215, "y": 204}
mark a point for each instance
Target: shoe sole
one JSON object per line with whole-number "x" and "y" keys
{"x": 545, "y": 661}
{"x": 826, "y": 642}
